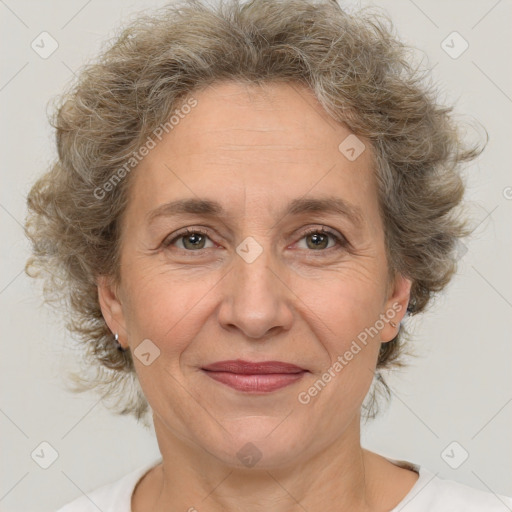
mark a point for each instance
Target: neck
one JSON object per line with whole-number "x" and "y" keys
{"x": 338, "y": 473}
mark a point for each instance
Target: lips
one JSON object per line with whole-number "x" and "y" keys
{"x": 248, "y": 368}
{"x": 254, "y": 377}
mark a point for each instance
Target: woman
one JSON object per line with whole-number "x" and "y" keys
{"x": 248, "y": 199}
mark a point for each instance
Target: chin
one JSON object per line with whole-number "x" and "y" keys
{"x": 259, "y": 442}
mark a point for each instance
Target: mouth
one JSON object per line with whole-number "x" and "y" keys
{"x": 257, "y": 377}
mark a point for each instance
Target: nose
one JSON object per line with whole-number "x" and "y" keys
{"x": 256, "y": 300}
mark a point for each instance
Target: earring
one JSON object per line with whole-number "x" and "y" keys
{"x": 118, "y": 345}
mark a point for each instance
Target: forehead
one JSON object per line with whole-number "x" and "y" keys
{"x": 267, "y": 144}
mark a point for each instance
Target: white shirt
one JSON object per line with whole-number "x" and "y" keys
{"x": 429, "y": 494}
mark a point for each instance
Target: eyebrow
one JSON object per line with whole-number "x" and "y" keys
{"x": 211, "y": 208}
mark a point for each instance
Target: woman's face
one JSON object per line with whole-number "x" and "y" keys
{"x": 255, "y": 279}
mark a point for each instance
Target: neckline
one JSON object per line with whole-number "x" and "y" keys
{"x": 423, "y": 475}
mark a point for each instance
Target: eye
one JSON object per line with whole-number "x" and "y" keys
{"x": 196, "y": 239}
{"x": 190, "y": 239}
{"x": 317, "y": 239}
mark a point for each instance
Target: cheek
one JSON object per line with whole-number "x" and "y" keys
{"x": 344, "y": 317}
{"x": 164, "y": 308}
{"x": 345, "y": 303}
{"x": 343, "y": 312}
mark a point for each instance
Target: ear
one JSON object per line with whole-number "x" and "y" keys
{"x": 395, "y": 306}
{"x": 111, "y": 307}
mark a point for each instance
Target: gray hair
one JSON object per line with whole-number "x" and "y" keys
{"x": 361, "y": 74}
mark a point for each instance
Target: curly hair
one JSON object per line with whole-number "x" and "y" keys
{"x": 360, "y": 72}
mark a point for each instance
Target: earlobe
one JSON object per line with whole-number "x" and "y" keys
{"x": 396, "y": 306}
{"x": 111, "y": 306}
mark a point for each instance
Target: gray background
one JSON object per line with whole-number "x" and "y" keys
{"x": 459, "y": 389}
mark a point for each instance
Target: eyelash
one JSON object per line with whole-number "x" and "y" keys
{"x": 340, "y": 240}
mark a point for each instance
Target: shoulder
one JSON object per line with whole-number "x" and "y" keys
{"x": 112, "y": 497}
{"x": 432, "y": 493}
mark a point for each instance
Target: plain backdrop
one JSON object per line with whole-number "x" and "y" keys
{"x": 458, "y": 389}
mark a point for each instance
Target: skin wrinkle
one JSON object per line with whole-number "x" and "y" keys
{"x": 255, "y": 147}
{"x": 307, "y": 60}
{"x": 326, "y": 207}
{"x": 280, "y": 306}
{"x": 361, "y": 74}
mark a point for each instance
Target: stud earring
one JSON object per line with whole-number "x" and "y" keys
{"x": 118, "y": 345}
